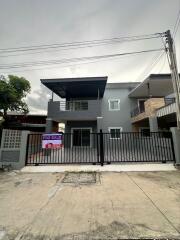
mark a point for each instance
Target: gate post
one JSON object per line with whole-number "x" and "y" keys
{"x": 176, "y": 148}
{"x": 97, "y": 146}
{"x": 101, "y": 148}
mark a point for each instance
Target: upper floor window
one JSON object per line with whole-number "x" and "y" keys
{"x": 141, "y": 105}
{"x": 114, "y": 104}
{"x": 76, "y": 105}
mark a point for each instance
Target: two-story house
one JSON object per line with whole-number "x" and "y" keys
{"x": 88, "y": 105}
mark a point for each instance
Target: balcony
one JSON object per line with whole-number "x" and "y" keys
{"x": 149, "y": 109}
{"x": 169, "y": 101}
{"x": 74, "y": 110}
{"x": 136, "y": 111}
{"x": 168, "y": 108}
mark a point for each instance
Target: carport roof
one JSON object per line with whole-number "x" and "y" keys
{"x": 160, "y": 85}
{"x": 77, "y": 87}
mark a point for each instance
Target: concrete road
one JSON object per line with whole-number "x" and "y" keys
{"x": 80, "y": 206}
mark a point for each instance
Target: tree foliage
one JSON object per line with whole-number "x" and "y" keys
{"x": 13, "y": 91}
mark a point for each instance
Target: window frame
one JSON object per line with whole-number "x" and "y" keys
{"x": 140, "y": 100}
{"x": 109, "y": 103}
{"x": 121, "y": 129}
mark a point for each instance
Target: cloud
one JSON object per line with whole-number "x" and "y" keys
{"x": 38, "y": 99}
{"x": 38, "y": 22}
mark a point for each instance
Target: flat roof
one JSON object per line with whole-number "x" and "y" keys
{"x": 76, "y": 87}
{"x": 127, "y": 85}
{"x": 156, "y": 85}
{"x": 23, "y": 114}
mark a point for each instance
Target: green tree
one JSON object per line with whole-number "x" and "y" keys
{"x": 13, "y": 91}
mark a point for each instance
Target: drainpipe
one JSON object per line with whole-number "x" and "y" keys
{"x": 148, "y": 87}
{"x": 52, "y": 96}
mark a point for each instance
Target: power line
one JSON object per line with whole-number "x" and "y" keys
{"x": 64, "y": 66}
{"x": 176, "y": 24}
{"x": 163, "y": 63}
{"x": 79, "y": 44}
{"x": 150, "y": 67}
{"x": 72, "y": 48}
{"x": 69, "y": 60}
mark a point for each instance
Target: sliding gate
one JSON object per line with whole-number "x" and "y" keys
{"x": 102, "y": 148}
{"x": 69, "y": 152}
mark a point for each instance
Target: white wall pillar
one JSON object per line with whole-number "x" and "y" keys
{"x": 13, "y": 151}
{"x": 99, "y": 123}
{"x": 153, "y": 124}
{"x": 49, "y": 125}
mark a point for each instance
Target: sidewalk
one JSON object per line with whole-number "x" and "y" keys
{"x": 85, "y": 206}
{"x": 106, "y": 168}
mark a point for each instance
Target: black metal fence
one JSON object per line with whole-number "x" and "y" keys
{"x": 103, "y": 148}
{"x": 134, "y": 147}
{"x": 67, "y": 153}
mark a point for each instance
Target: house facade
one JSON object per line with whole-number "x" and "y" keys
{"x": 88, "y": 105}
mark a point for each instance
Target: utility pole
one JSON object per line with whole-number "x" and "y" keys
{"x": 174, "y": 72}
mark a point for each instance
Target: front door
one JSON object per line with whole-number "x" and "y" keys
{"x": 81, "y": 137}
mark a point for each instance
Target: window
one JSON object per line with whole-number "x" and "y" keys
{"x": 141, "y": 105}
{"x": 76, "y": 105}
{"x": 115, "y": 132}
{"x": 114, "y": 104}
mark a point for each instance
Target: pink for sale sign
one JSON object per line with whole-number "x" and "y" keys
{"x": 52, "y": 140}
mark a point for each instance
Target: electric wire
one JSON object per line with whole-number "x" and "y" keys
{"x": 78, "y": 44}
{"x": 69, "y": 60}
{"x": 151, "y": 66}
{"x": 70, "y": 48}
{"x": 176, "y": 26}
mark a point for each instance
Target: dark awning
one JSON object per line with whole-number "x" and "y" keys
{"x": 77, "y": 87}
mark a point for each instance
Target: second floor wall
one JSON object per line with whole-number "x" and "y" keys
{"x": 74, "y": 110}
{"x": 114, "y": 108}
{"x": 119, "y": 117}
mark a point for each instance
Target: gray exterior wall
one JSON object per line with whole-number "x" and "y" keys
{"x": 80, "y": 124}
{"x": 122, "y": 117}
{"x": 94, "y": 110}
{"x": 99, "y": 108}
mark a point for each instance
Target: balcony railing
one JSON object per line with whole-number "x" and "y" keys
{"x": 73, "y": 105}
{"x": 169, "y": 101}
{"x": 136, "y": 111}
{"x": 74, "y": 110}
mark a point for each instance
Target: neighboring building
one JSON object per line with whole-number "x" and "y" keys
{"x": 31, "y": 122}
{"x": 90, "y": 104}
{"x": 154, "y": 104}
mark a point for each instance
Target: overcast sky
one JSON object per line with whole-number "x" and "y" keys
{"x": 36, "y": 22}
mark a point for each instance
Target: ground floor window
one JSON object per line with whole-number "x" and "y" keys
{"x": 81, "y": 137}
{"x": 115, "y": 132}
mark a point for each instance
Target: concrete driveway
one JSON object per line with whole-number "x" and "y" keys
{"x": 82, "y": 206}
